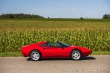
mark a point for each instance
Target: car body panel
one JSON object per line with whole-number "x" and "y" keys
{"x": 54, "y": 52}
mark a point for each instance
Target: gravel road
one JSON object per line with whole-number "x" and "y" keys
{"x": 90, "y": 64}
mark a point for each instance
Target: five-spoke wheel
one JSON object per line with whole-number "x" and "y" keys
{"x": 35, "y": 55}
{"x": 75, "y": 55}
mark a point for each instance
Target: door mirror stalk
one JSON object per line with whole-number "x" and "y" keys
{"x": 62, "y": 47}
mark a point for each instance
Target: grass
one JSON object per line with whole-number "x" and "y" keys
{"x": 101, "y": 53}
{"x": 10, "y": 54}
{"x": 93, "y": 34}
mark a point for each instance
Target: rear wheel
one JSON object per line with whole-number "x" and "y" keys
{"x": 75, "y": 55}
{"x": 35, "y": 55}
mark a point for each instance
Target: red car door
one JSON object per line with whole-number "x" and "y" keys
{"x": 54, "y": 50}
{"x": 62, "y": 52}
{"x": 49, "y": 52}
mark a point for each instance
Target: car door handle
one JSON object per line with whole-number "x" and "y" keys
{"x": 45, "y": 48}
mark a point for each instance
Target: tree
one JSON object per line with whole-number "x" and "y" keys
{"x": 81, "y": 18}
{"x": 106, "y": 16}
{"x": 20, "y": 15}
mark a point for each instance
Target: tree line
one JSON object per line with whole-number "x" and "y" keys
{"x": 20, "y": 15}
{"x": 106, "y": 16}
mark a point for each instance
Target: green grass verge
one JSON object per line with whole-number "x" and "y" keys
{"x": 18, "y": 54}
{"x": 100, "y": 53}
{"x": 10, "y": 54}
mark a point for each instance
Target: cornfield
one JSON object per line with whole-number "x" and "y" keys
{"x": 16, "y": 33}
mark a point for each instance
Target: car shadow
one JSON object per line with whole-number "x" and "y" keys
{"x": 52, "y": 59}
{"x": 88, "y": 58}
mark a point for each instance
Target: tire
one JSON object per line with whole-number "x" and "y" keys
{"x": 75, "y": 55}
{"x": 35, "y": 55}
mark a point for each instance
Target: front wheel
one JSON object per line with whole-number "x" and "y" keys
{"x": 35, "y": 55}
{"x": 75, "y": 55}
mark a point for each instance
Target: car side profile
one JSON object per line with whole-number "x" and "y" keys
{"x": 40, "y": 50}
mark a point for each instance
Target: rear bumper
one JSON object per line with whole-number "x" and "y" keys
{"x": 24, "y": 51}
{"x": 25, "y": 54}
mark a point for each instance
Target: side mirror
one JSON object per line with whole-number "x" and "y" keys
{"x": 62, "y": 47}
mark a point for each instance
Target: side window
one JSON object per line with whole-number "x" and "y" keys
{"x": 53, "y": 44}
{"x": 57, "y": 45}
{"x": 44, "y": 44}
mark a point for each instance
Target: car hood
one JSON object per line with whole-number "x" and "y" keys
{"x": 80, "y": 47}
{"x": 76, "y": 46}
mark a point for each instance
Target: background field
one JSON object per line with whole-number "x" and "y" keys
{"x": 94, "y": 34}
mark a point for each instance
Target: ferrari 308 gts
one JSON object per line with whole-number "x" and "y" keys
{"x": 40, "y": 50}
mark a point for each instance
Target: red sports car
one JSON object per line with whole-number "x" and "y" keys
{"x": 58, "y": 49}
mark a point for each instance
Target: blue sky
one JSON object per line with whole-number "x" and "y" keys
{"x": 57, "y": 8}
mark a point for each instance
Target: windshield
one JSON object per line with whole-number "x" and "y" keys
{"x": 63, "y": 44}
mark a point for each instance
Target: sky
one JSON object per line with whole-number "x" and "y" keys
{"x": 57, "y": 8}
